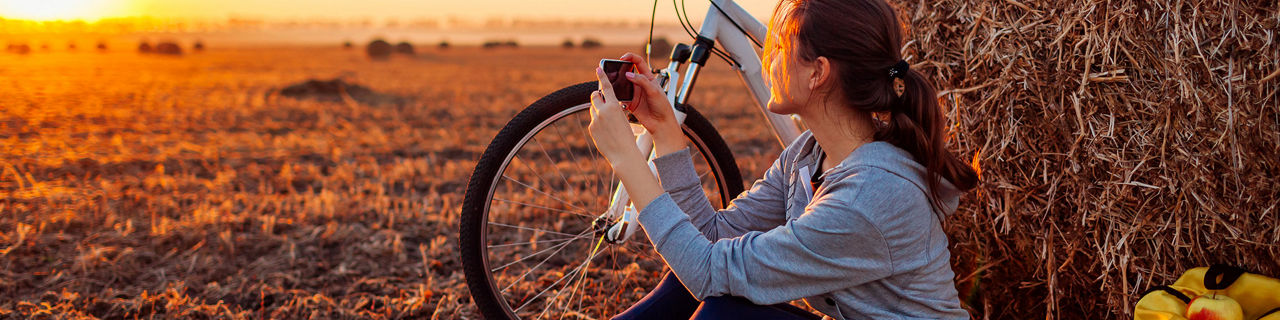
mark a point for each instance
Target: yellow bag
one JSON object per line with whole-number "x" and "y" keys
{"x": 1259, "y": 296}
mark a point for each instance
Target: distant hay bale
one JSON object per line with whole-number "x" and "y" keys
{"x": 144, "y": 47}
{"x": 568, "y": 44}
{"x": 404, "y": 48}
{"x": 19, "y": 48}
{"x": 659, "y": 48}
{"x": 591, "y": 43}
{"x": 102, "y": 46}
{"x": 378, "y": 49}
{"x": 443, "y": 45}
{"x": 71, "y": 46}
{"x": 491, "y": 44}
{"x": 347, "y": 45}
{"x": 168, "y": 47}
{"x": 1120, "y": 144}
{"x": 198, "y": 46}
{"x": 338, "y": 90}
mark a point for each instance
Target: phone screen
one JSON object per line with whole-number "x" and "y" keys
{"x": 616, "y": 71}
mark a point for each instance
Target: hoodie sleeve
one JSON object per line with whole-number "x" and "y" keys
{"x": 760, "y": 208}
{"x": 835, "y": 244}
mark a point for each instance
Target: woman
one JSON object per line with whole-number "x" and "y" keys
{"x": 850, "y": 215}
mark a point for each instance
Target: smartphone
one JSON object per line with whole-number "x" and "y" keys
{"x": 616, "y": 72}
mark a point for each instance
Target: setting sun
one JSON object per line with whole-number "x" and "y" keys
{"x": 60, "y": 9}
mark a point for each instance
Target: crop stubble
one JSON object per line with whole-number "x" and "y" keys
{"x": 185, "y": 186}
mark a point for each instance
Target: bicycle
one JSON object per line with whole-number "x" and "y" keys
{"x": 531, "y": 244}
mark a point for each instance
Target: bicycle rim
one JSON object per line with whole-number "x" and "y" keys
{"x": 544, "y": 260}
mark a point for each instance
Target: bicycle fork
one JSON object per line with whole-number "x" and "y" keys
{"x": 620, "y": 202}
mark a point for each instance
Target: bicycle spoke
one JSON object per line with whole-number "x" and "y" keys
{"x": 544, "y": 193}
{"x": 566, "y": 276}
{"x": 553, "y": 161}
{"x": 557, "y": 247}
{"x": 571, "y": 153}
{"x": 530, "y": 242}
{"x": 535, "y": 172}
{"x": 535, "y": 267}
{"x": 529, "y": 229}
{"x": 595, "y": 158}
{"x": 553, "y": 285}
{"x": 543, "y": 207}
{"x": 626, "y": 275}
{"x": 582, "y": 279}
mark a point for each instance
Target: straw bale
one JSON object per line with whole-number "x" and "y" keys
{"x": 379, "y": 49}
{"x": 1120, "y": 144}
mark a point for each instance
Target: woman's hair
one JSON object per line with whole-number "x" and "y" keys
{"x": 862, "y": 40}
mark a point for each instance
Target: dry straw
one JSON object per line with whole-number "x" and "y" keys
{"x": 1120, "y": 142}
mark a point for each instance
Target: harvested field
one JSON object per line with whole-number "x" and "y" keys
{"x": 140, "y": 185}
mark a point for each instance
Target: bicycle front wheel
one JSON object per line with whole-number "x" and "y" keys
{"x": 528, "y": 246}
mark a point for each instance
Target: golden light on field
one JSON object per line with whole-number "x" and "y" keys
{"x": 44, "y": 10}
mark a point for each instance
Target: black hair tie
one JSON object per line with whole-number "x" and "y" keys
{"x": 899, "y": 70}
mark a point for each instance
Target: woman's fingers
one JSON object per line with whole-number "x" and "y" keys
{"x": 656, "y": 102}
{"x": 641, "y": 65}
{"x": 651, "y": 89}
{"x": 596, "y": 100}
{"x": 606, "y": 88}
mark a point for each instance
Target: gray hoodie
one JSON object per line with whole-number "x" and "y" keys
{"x": 865, "y": 244}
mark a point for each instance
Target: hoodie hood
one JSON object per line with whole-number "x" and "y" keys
{"x": 888, "y": 157}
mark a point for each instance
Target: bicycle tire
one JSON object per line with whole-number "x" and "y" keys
{"x": 520, "y": 130}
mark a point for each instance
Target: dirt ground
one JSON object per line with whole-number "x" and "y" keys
{"x": 141, "y": 186}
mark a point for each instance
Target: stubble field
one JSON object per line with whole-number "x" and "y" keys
{"x": 140, "y": 186}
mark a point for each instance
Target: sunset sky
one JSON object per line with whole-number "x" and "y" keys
{"x": 631, "y": 10}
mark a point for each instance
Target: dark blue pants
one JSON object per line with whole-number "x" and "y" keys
{"x": 670, "y": 300}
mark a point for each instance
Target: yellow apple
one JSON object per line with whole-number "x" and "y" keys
{"x": 1214, "y": 307}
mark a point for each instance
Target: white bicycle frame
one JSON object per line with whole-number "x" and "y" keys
{"x": 720, "y": 28}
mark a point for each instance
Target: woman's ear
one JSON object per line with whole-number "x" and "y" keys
{"x": 820, "y": 73}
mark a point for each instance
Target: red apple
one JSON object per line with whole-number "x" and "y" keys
{"x": 1214, "y": 307}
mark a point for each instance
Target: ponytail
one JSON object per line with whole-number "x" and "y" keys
{"x": 915, "y": 124}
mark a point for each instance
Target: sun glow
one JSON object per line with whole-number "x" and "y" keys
{"x": 45, "y": 10}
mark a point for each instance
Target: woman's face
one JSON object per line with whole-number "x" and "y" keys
{"x": 789, "y": 91}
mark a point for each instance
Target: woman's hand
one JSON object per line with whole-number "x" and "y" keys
{"x": 609, "y": 128}
{"x": 651, "y": 108}
{"x": 613, "y": 138}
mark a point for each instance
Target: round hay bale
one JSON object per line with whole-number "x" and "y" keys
{"x": 378, "y": 49}
{"x": 443, "y": 45}
{"x": 491, "y": 44}
{"x": 71, "y": 46}
{"x": 20, "y": 48}
{"x": 169, "y": 48}
{"x": 568, "y": 44}
{"x": 198, "y": 46}
{"x": 404, "y": 48}
{"x": 660, "y": 48}
{"x": 338, "y": 90}
{"x": 591, "y": 43}
{"x": 144, "y": 47}
{"x": 102, "y": 46}
{"x": 348, "y": 45}
{"x": 1120, "y": 144}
